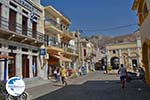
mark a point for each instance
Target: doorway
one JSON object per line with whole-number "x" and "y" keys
{"x": 12, "y": 65}
{"x": 134, "y": 64}
{"x": 25, "y": 66}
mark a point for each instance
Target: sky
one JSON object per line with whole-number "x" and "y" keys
{"x": 105, "y": 17}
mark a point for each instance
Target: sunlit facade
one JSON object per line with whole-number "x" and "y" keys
{"x": 142, "y": 7}
{"x": 127, "y": 53}
{"x": 21, "y": 36}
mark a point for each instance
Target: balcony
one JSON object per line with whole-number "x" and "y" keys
{"x": 54, "y": 47}
{"x": 52, "y": 26}
{"x": 70, "y": 51}
{"x": 18, "y": 34}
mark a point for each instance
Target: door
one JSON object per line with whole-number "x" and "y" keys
{"x": 12, "y": 20}
{"x": 34, "y": 29}
{"x": 24, "y": 25}
{"x": 25, "y": 66}
{"x": 12, "y": 66}
{"x": 0, "y": 13}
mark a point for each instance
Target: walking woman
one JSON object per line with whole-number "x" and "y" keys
{"x": 63, "y": 75}
{"x": 123, "y": 74}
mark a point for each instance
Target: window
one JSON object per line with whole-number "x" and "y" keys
{"x": 34, "y": 51}
{"x": 114, "y": 51}
{"x": 84, "y": 52}
{"x": 34, "y": 29}
{"x": 12, "y": 20}
{"x": 13, "y": 5}
{"x": 25, "y": 12}
{"x": 24, "y": 25}
{"x": 25, "y": 49}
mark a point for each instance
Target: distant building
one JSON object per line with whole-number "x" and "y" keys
{"x": 143, "y": 9}
{"x": 127, "y": 53}
{"x": 87, "y": 54}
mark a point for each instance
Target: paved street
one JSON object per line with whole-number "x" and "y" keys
{"x": 91, "y": 87}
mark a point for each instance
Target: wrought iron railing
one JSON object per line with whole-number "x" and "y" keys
{"x": 4, "y": 24}
{"x": 54, "y": 43}
{"x": 70, "y": 50}
{"x": 50, "y": 21}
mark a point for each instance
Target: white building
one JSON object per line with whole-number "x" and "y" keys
{"x": 21, "y": 36}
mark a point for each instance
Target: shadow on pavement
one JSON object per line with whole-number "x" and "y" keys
{"x": 101, "y": 90}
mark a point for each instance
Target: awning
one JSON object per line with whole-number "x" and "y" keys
{"x": 3, "y": 57}
{"x": 62, "y": 58}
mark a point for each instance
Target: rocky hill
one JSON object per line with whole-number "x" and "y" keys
{"x": 99, "y": 41}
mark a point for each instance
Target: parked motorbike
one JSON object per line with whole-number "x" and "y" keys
{"x": 136, "y": 76}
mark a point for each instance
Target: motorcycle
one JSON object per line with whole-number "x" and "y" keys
{"x": 136, "y": 76}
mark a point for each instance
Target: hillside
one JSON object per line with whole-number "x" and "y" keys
{"x": 99, "y": 41}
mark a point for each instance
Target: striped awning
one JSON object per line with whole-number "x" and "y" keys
{"x": 62, "y": 58}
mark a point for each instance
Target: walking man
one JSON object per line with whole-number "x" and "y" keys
{"x": 63, "y": 75}
{"x": 123, "y": 74}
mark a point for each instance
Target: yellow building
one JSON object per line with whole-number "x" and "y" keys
{"x": 60, "y": 42}
{"x": 127, "y": 53}
{"x": 142, "y": 7}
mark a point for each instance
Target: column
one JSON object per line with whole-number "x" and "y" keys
{"x": 120, "y": 57}
{"x": 139, "y": 57}
{"x": 129, "y": 59}
{"x": 19, "y": 64}
{"x": 108, "y": 56}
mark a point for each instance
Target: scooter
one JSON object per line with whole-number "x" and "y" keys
{"x": 135, "y": 76}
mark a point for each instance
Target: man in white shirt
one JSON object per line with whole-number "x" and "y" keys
{"x": 123, "y": 73}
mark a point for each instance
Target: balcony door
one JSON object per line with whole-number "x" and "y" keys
{"x": 25, "y": 66}
{"x": 34, "y": 29}
{"x": 24, "y": 25}
{"x": 0, "y": 13}
{"x": 12, "y": 20}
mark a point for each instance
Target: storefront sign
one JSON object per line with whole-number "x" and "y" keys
{"x": 42, "y": 52}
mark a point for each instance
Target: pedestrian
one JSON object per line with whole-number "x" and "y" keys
{"x": 63, "y": 75}
{"x": 55, "y": 74}
{"x": 123, "y": 75}
{"x": 58, "y": 74}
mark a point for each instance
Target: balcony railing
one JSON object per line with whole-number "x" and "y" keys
{"x": 54, "y": 43}
{"x": 50, "y": 21}
{"x": 4, "y": 24}
{"x": 70, "y": 50}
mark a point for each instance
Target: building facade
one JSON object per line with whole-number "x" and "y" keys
{"x": 21, "y": 36}
{"x": 60, "y": 43}
{"x": 143, "y": 8}
{"x": 87, "y": 54}
{"x": 127, "y": 53}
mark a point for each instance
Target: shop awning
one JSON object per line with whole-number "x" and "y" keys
{"x": 62, "y": 58}
{"x": 3, "y": 57}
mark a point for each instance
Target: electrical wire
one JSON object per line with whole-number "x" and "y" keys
{"x": 109, "y": 29}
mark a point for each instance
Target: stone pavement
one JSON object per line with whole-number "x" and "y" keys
{"x": 38, "y": 88}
